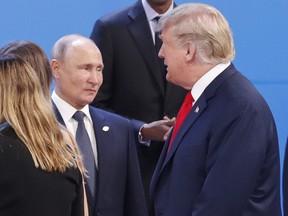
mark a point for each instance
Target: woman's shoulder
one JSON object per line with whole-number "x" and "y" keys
{"x": 12, "y": 150}
{"x": 8, "y": 135}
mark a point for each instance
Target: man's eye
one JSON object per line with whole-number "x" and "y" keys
{"x": 85, "y": 67}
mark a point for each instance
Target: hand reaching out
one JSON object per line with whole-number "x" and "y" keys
{"x": 157, "y": 130}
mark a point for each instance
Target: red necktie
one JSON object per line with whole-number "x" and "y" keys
{"x": 183, "y": 112}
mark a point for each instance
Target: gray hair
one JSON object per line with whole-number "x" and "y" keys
{"x": 205, "y": 28}
{"x": 61, "y": 46}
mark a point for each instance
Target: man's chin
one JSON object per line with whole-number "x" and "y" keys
{"x": 168, "y": 78}
{"x": 89, "y": 99}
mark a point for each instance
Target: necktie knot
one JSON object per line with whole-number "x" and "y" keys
{"x": 156, "y": 28}
{"x": 156, "y": 19}
{"x": 78, "y": 116}
{"x": 188, "y": 98}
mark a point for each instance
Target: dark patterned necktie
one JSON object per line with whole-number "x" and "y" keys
{"x": 85, "y": 147}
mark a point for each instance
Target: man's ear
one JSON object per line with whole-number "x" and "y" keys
{"x": 55, "y": 66}
{"x": 190, "y": 52}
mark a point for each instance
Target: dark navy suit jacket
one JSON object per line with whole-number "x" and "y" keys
{"x": 120, "y": 191}
{"x": 225, "y": 159}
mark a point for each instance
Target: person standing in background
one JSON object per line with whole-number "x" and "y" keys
{"x": 223, "y": 156}
{"x": 134, "y": 83}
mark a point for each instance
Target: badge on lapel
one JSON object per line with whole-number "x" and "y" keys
{"x": 105, "y": 128}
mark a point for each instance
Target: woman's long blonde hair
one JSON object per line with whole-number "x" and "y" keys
{"x": 26, "y": 108}
{"x": 36, "y": 57}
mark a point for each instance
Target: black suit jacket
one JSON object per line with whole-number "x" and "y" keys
{"x": 120, "y": 191}
{"x": 133, "y": 84}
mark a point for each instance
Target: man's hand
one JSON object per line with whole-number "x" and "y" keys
{"x": 157, "y": 130}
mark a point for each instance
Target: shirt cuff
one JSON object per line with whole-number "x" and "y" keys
{"x": 142, "y": 140}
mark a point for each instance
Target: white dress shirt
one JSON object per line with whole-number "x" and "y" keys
{"x": 199, "y": 87}
{"x": 67, "y": 111}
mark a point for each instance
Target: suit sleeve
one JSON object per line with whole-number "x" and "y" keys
{"x": 103, "y": 39}
{"x": 242, "y": 165}
{"x": 137, "y": 125}
{"x": 135, "y": 199}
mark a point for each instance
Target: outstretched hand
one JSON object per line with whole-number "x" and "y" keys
{"x": 157, "y": 130}
{"x": 170, "y": 129}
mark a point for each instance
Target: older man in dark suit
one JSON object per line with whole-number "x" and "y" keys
{"x": 114, "y": 186}
{"x": 222, "y": 158}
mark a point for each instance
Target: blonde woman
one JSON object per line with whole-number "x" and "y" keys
{"x": 41, "y": 169}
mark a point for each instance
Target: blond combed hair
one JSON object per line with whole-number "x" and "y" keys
{"x": 204, "y": 27}
{"x": 25, "y": 107}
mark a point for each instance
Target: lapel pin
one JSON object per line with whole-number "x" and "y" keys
{"x": 105, "y": 128}
{"x": 197, "y": 109}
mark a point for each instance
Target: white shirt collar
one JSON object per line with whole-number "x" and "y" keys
{"x": 151, "y": 13}
{"x": 205, "y": 80}
{"x": 66, "y": 110}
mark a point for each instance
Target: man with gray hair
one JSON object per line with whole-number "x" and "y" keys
{"x": 222, "y": 157}
{"x": 106, "y": 140}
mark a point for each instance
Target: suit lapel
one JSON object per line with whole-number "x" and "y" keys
{"x": 103, "y": 133}
{"x": 165, "y": 157}
{"x": 57, "y": 114}
{"x": 141, "y": 33}
{"x": 195, "y": 112}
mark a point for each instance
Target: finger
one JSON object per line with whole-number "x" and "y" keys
{"x": 166, "y": 118}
